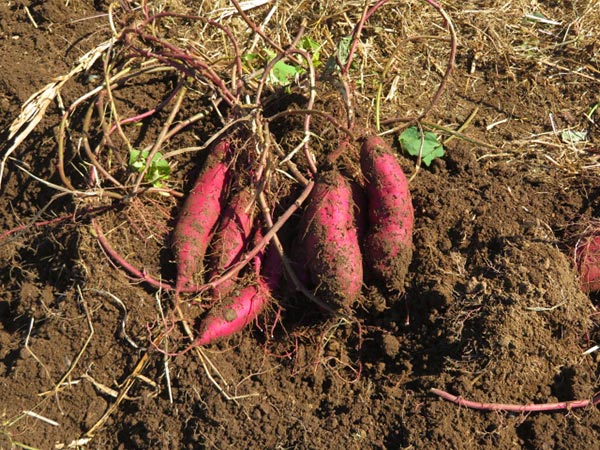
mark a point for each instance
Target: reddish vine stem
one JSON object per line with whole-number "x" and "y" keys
{"x": 179, "y": 53}
{"x": 283, "y": 54}
{"x": 539, "y": 407}
{"x": 111, "y": 83}
{"x": 451, "y": 58}
{"x": 139, "y": 117}
{"x": 54, "y": 221}
{"x": 284, "y": 259}
{"x": 88, "y": 150}
{"x": 356, "y": 34}
{"x": 311, "y": 100}
{"x": 116, "y": 257}
{"x": 183, "y": 123}
{"x": 234, "y": 270}
{"x": 310, "y": 105}
{"x": 182, "y": 90}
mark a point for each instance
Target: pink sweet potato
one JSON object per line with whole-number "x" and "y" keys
{"x": 199, "y": 214}
{"x": 233, "y": 314}
{"x": 587, "y": 255}
{"x": 330, "y": 241}
{"x": 231, "y": 238}
{"x": 360, "y": 209}
{"x": 388, "y": 243}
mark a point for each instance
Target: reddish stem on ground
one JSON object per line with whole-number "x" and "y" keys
{"x": 56, "y": 220}
{"x": 116, "y": 257}
{"x": 540, "y": 407}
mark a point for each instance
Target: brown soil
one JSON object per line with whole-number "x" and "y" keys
{"x": 492, "y": 310}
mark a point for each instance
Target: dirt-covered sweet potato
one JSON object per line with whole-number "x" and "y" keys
{"x": 330, "y": 240}
{"x": 388, "y": 242}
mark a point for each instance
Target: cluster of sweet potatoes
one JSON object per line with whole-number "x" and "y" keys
{"x": 347, "y": 228}
{"x": 218, "y": 216}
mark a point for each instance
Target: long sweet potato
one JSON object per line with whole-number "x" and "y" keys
{"x": 231, "y": 238}
{"x": 330, "y": 240}
{"x": 388, "y": 243}
{"x": 199, "y": 214}
{"x": 239, "y": 310}
{"x": 233, "y": 314}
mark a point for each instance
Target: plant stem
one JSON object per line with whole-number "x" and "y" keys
{"x": 540, "y": 407}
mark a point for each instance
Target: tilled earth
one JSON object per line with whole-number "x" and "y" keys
{"x": 492, "y": 312}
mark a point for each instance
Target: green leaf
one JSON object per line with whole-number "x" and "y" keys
{"x": 158, "y": 170}
{"x": 249, "y": 59}
{"x": 344, "y": 49}
{"x": 282, "y": 73}
{"x": 308, "y": 44}
{"x": 136, "y": 161}
{"x": 312, "y": 47}
{"x": 410, "y": 140}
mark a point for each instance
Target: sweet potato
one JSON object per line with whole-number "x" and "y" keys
{"x": 239, "y": 310}
{"x": 330, "y": 240}
{"x": 388, "y": 243}
{"x": 199, "y": 214}
{"x": 587, "y": 255}
{"x": 233, "y": 314}
{"x": 231, "y": 238}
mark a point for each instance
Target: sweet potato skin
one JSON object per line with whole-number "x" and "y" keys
{"x": 231, "y": 238}
{"x": 243, "y": 307}
{"x": 330, "y": 240}
{"x": 234, "y": 314}
{"x": 587, "y": 255}
{"x": 199, "y": 214}
{"x": 388, "y": 242}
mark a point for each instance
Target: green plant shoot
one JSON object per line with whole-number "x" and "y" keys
{"x": 159, "y": 168}
{"x": 313, "y": 48}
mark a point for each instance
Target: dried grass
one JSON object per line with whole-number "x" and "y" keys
{"x": 532, "y": 45}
